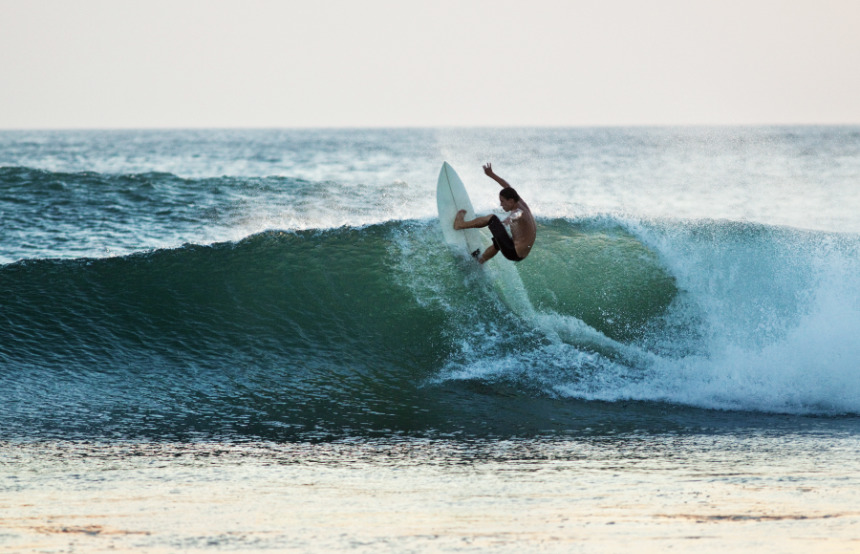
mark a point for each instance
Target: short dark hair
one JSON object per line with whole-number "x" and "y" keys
{"x": 510, "y": 194}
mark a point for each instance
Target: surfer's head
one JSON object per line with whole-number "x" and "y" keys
{"x": 509, "y": 198}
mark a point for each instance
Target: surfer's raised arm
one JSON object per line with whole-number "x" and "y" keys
{"x": 488, "y": 169}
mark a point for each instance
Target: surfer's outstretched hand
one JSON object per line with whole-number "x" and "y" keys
{"x": 488, "y": 169}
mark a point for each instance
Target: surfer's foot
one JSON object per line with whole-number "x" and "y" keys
{"x": 458, "y": 220}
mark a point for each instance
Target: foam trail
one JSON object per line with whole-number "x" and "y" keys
{"x": 509, "y": 286}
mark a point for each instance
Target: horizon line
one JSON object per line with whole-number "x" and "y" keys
{"x": 426, "y": 127}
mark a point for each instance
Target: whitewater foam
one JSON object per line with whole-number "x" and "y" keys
{"x": 766, "y": 319}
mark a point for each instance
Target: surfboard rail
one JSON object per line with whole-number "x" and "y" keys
{"x": 451, "y": 197}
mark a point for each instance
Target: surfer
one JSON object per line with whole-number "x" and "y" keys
{"x": 518, "y": 244}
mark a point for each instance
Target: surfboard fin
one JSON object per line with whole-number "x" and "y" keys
{"x": 476, "y": 253}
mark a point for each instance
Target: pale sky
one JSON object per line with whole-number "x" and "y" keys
{"x": 383, "y": 63}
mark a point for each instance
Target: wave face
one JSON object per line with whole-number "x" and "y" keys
{"x": 379, "y": 329}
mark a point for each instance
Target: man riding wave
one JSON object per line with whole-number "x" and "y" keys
{"x": 518, "y": 244}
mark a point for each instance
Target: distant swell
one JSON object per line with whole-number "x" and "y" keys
{"x": 88, "y": 214}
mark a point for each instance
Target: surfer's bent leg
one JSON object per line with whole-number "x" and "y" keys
{"x": 488, "y": 253}
{"x": 502, "y": 240}
{"x": 478, "y": 222}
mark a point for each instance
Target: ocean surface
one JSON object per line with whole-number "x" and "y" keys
{"x": 244, "y": 314}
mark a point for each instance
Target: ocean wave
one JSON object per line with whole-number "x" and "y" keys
{"x": 49, "y": 214}
{"x": 378, "y": 328}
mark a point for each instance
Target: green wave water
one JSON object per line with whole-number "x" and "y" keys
{"x": 374, "y": 330}
{"x": 347, "y": 320}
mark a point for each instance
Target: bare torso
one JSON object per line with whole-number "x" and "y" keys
{"x": 523, "y": 228}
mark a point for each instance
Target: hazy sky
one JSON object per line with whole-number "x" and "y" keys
{"x": 297, "y": 63}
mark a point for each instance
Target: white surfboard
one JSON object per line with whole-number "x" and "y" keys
{"x": 451, "y": 197}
